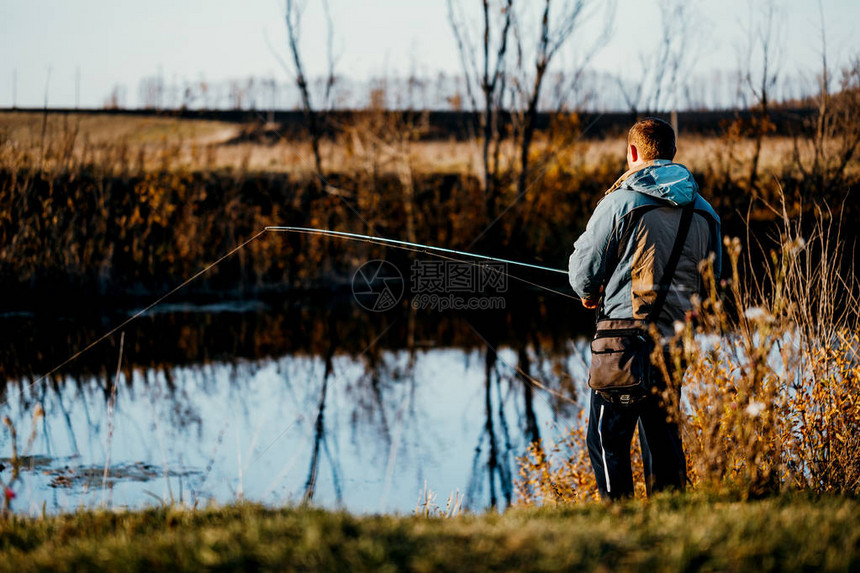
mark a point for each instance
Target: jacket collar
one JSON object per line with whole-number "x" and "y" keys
{"x": 628, "y": 173}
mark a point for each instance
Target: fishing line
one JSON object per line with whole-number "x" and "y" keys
{"x": 507, "y": 273}
{"x": 527, "y": 377}
{"x": 397, "y": 243}
{"x": 440, "y": 252}
{"x": 138, "y": 314}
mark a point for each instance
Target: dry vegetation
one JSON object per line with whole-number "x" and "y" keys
{"x": 770, "y": 394}
{"x": 154, "y": 197}
{"x": 147, "y": 214}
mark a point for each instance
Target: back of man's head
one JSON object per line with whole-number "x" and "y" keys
{"x": 653, "y": 138}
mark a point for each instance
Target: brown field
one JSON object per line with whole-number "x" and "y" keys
{"x": 207, "y": 144}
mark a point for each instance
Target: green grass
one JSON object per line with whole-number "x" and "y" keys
{"x": 789, "y": 533}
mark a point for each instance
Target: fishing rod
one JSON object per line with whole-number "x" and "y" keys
{"x": 429, "y": 249}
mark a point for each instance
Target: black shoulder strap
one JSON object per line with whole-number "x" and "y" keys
{"x": 672, "y": 263}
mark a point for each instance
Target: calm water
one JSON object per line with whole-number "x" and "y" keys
{"x": 285, "y": 401}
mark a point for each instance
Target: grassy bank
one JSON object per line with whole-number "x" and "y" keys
{"x": 670, "y": 534}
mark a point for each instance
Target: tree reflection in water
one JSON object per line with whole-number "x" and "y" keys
{"x": 319, "y": 439}
{"x": 381, "y": 403}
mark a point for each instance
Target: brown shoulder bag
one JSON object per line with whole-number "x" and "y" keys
{"x": 621, "y": 369}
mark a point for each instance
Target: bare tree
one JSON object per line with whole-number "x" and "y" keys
{"x": 663, "y": 69}
{"x": 508, "y": 84}
{"x": 836, "y": 130}
{"x": 489, "y": 74}
{"x": 151, "y": 91}
{"x": 760, "y": 75}
{"x": 556, "y": 28}
{"x": 116, "y": 98}
{"x": 293, "y": 18}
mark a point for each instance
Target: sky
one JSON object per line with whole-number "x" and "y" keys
{"x": 105, "y": 43}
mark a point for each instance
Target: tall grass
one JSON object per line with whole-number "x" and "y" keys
{"x": 773, "y": 404}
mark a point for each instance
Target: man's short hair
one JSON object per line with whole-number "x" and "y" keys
{"x": 653, "y": 138}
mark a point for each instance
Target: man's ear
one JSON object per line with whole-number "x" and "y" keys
{"x": 634, "y": 153}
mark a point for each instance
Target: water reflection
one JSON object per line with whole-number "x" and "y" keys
{"x": 285, "y": 402}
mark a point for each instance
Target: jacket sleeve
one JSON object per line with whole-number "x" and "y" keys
{"x": 587, "y": 265}
{"x": 717, "y": 249}
{"x": 715, "y": 244}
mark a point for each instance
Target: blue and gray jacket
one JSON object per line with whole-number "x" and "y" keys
{"x": 630, "y": 236}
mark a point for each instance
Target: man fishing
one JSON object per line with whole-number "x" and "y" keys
{"x": 637, "y": 262}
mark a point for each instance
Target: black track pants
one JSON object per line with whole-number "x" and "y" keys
{"x": 610, "y": 431}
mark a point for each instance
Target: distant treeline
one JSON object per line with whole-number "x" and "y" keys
{"x": 463, "y": 125}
